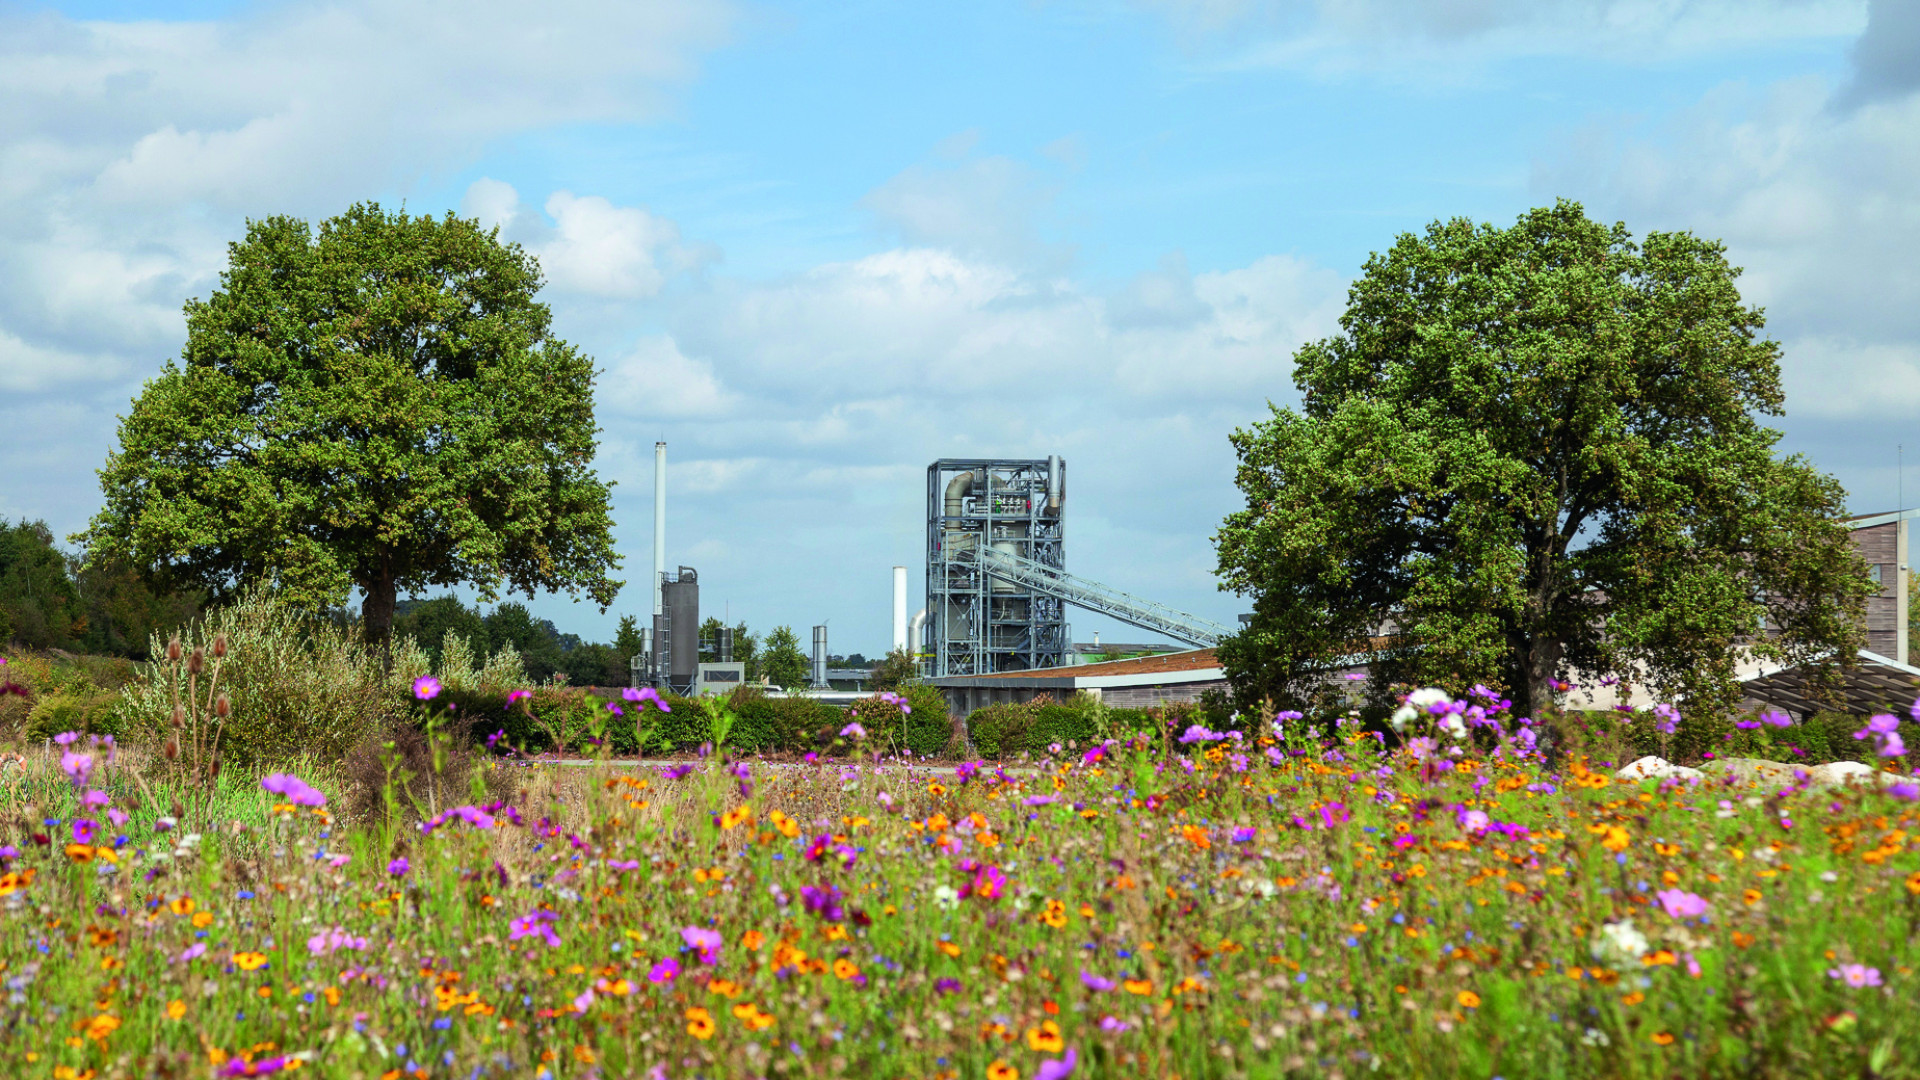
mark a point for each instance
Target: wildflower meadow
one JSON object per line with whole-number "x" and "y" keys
{"x": 1430, "y": 898}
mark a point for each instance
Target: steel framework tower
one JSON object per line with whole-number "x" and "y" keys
{"x": 980, "y": 622}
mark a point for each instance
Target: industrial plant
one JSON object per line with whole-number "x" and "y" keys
{"x": 997, "y": 588}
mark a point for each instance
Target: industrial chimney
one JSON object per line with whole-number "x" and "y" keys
{"x": 899, "y": 609}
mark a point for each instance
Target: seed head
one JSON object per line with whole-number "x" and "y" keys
{"x": 219, "y": 646}
{"x": 172, "y": 749}
{"x": 221, "y": 706}
{"x": 173, "y": 649}
{"x": 179, "y": 716}
{"x": 196, "y": 661}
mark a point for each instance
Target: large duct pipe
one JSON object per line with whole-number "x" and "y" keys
{"x": 820, "y": 658}
{"x": 915, "y": 633}
{"x": 957, "y": 489}
{"x": 659, "y": 521}
{"x": 1056, "y": 485}
{"x": 899, "y": 608}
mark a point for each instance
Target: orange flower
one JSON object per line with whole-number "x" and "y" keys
{"x": 948, "y": 947}
{"x": 202, "y": 919}
{"x": 1663, "y": 1038}
{"x": 752, "y": 939}
{"x": 1142, "y": 987}
{"x": 1000, "y": 1070}
{"x": 1055, "y": 914}
{"x": 1045, "y": 1039}
{"x": 844, "y": 969}
{"x": 181, "y": 905}
{"x": 736, "y": 817}
{"x": 1469, "y": 1000}
{"x": 700, "y": 1023}
{"x": 249, "y": 961}
{"x": 749, "y": 1014}
{"x": 79, "y": 853}
{"x": 1196, "y": 836}
{"x": 1913, "y": 882}
{"x": 176, "y": 1009}
{"x": 1752, "y": 896}
{"x": 1634, "y": 998}
{"x": 102, "y": 1026}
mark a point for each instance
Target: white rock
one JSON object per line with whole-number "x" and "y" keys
{"x": 1842, "y": 772}
{"x": 1654, "y": 767}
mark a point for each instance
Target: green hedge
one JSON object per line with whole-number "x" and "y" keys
{"x": 924, "y": 731}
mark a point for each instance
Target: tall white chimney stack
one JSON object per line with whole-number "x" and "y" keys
{"x": 899, "y": 609}
{"x": 659, "y": 521}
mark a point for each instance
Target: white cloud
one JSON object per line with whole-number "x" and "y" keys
{"x": 1816, "y": 202}
{"x": 656, "y": 379}
{"x": 989, "y": 206}
{"x": 1450, "y": 39}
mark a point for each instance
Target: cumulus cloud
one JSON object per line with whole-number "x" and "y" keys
{"x": 587, "y": 246}
{"x": 989, "y": 206}
{"x": 1886, "y": 59}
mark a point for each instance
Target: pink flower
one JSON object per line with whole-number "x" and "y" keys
{"x": 294, "y": 789}
{"x": 1855, "y": 975}
{"x": 1058, "y": 1070}
{"x": 78, "y": 767}
{"x": 426, "y": 688}
{"x": 989, "y": 883}
{"x": 1475, "y": 821}
{"x": 585, "y": 1001}
{"x": 537, "y": 923}
{"x": 664, "y": 972}
{"x": 263, "y": 1067}
{"x": 1679, "y": 904}
{"x": 646, "y": 694}
{"x": 518, "y": 696}
{"x": 327, "y": 942}
{"x": 708, "y": 942}
{"x": 194, "y": 952}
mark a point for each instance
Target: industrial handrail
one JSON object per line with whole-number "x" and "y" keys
{"x": 1097, "y": 597}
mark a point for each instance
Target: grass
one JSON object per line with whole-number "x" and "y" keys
{"x": 1238, "y": 910}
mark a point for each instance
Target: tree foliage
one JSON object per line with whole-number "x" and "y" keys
{"x": 782, "y": 660}
{"x": 379, "y": 404}
{"x": 1534, "y": 451}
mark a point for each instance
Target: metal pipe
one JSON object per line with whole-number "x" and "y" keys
{"x": 820, "y": 657}
{"x": 914, "y": 631}
{"x": 957, "y": 489}
{"x": 659, "y": 521}
{"x": 899, "y": 608}
{"x": 1056, "y": 484}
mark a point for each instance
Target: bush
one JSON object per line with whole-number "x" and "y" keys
{"x": 1000, "y": 729}
{"x": 1074, "y": 722}
{"x": 924, "y": 731}
{"x": 465, "y": 775}
{"x": 299, "y": 685}
{"x": 90, "y": 714}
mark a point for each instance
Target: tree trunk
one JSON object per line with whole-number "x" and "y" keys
{"x": 376, "y": 613}
{"x": 1543, "y": 664}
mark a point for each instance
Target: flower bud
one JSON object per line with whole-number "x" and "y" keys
{"x": 221, "y": 706}
{"x": 196, "y": 661}
{"x": 219, "y": 646}
{"x": 173, "y": 649}
{"x": 179, "y": 716}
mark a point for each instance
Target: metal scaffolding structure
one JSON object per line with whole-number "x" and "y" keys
{"x": 978, "y": 622}
{"x": 1094, "y": 596}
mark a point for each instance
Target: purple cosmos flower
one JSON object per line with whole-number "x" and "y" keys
{"x": 426, "y": 688}
{"x": 1197, "y": 733}
{"x": 614, "y": 708}
{"x": 263, "y": 1067}
{"x": 708, "y": 942}
{"x": 946, "y": 986}
{"x": 294, "y": 789}
{"x": 1058, "y": 1070}
{"x": 78, "y": 767}
{"x": 1680, "y": 904}
{"x": 675, "y": 772}
{"x": 1245, "y": 834}
{"x": 1907, "y": 791}
{"x": 536, "y": 923}
{"x": 1335, "y": 814}
{"x": 645, "y": 694}
{"x": 823, "y": 901}
{"x": 1113, "y": 1024}
{"x": 1475, "y": 821}
{"x": 84, "y": 830}
{"x": 664, "y": 972}
{"x": 193, "y": 952}
{"x": 399, "y": 867}
{"x": 1097, "y": 983}
{"x": 516, "y": 697}
{"x": 1855, "y": 975}
{"x": 989, "y": 883}
{"x": 95, "y": 797}
{"x": 1891, "y": 746}
{"x": 472, "y": 815}
{"x": 1776, "y": 718}
{"x": 332, "y": 940}
{"x": 853, "y": 731}
{"x": 1668, "y": 718}
{"x": 896, "y": 701}
{"x": 66, "y": 738}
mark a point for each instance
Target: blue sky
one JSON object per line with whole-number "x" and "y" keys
{"x": 815, "y": 246}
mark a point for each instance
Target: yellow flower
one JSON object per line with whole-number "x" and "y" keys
{"x": 700, "y": 1023}
{"x": 79, "y": 853}
{"x": 249, "y": 961}
{"x": 1142, "y": 987}
{"x": 1000, "y": 1070}
{"x": 181, "y": 905}
{"x": 1469, "y": 1000}
{"x": 736, "y": 817}
{"x": 176, "y": 1009}
{"x": 1045, "y": 1039}
{"x": 102, "y": 1026}
{"x": 845, "y": 969}
{"x": 201, "y": 919}
{"x": 1663, "y": 1038}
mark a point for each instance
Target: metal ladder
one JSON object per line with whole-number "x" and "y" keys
{"x": 1097, "y": 597}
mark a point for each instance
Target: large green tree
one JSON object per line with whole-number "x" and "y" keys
{"x": 782, "y": 660}
{"x": 379, "y": 404}
{"x": 1534, "y": 451}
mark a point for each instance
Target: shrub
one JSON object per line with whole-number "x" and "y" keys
{"x": 924, "y": 731}
{"x": 464, "y": 775}
{"x": 1000, "y": 729}
{"x": 299, "y": 685}
{"x": 1074, "y": 722}
{"x": 91, "y": 714}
